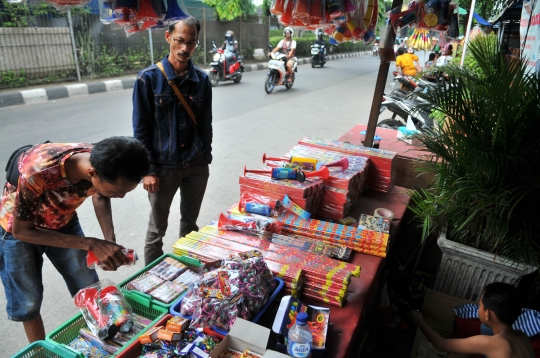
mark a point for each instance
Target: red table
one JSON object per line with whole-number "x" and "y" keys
{"x": 408, "y": 155}
{"x": 346, "y": 323}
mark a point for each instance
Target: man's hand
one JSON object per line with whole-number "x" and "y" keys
{"x": 151, "y": 183}
{"x": 415, "y": 316}
{"x": 109, "y": 254}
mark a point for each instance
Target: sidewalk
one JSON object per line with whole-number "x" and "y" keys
{"x": 58, "y": 91}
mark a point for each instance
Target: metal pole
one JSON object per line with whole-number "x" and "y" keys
{"x": 469, "y": 24}
{"x": 73, "y": 46}
{"x": 204, "y": 33}
{"x": 150, "y": 41}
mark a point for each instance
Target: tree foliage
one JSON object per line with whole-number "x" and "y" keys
{"x": 229, "y": 10}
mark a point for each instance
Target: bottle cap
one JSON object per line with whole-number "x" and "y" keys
{"x": 301, "y": 318}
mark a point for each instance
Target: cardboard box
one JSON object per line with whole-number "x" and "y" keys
{"x": 150, "y": 335}
{"x": 177, "y": 324}
{"x": 247, "y": 335}
{"x": 318, "y": 318}
{"x": 169, "y": 336}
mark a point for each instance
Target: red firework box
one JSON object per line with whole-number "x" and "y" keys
{"x": 383, "y": 163}
{"x": 282, "y": 187}
{"x": 316, "y": 247}
{"x": 289, "y": 273}
{"x": 301, "y": 201}
{"x": 329, "y": 300}
{"x": 324, "y": 291}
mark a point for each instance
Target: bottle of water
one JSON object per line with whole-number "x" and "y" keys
{"x": 299, "y": 342}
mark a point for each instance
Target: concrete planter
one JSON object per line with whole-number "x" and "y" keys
{"x": 464, "y": 271}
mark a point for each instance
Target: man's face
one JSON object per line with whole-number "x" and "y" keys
{"x": 183, "y": 41}
{"x": 118, "y": 189}
{"x": 287, "y": 34}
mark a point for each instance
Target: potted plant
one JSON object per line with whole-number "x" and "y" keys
{"x": 486, "y": 162}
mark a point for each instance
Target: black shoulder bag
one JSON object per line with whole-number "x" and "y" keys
{"x": 12, "y": 166}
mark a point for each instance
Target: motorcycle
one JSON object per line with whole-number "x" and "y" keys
{"x": 408, "y": 107}
{"x": 410, "y": 85}
{"x": 219, "y": 71}
{"x": 277, "y": 71}
{"x": 376, "y": 50}
{"x": 318, "y": 55}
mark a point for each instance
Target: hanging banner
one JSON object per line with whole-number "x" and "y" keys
{"x": 529, "y": 34}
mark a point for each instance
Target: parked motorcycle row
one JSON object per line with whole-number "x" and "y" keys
{"x": 405, "y": 103}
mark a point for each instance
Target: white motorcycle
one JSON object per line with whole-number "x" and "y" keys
{"x": 277, "y": 71}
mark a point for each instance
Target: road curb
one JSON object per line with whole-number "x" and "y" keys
{"x": 38, "y": 95}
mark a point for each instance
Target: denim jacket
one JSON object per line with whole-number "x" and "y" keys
{"x": 162, "y": 124}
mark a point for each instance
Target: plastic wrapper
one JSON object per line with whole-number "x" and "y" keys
{"x": 190, "y": 302}
{"x": 85, "y": 347}
{"x": 207, "y": 313}
{"x": 92, "y": 261}
{"x": 254, "y": 223}
{"x": 188, "y": 278}
{"x": 168, "y": 270}
{"x": 258, "y": 204}
{"x": 145, "y": 283}
{"x": 168, "y": 291}
{"x": 104, "y": 309}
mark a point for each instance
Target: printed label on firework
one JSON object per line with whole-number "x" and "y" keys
{"x": 289, "y": 204}
{"x": 299, "y": 350}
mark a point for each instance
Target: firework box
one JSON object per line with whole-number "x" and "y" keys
{"x": 247, "y": 335}
{"x": 318, "y": 320}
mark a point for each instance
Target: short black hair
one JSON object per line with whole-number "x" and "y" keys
{"x": 120, "y": 157}
{"x": 400, "y": 51}
{"x": 188, "y": 21}
{"x": 431, "y": 56}
{"x": 503, "y": 300}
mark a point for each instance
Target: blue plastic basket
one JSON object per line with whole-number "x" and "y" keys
{"x": 175, "y": 308}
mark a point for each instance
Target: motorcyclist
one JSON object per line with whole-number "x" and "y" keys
{"x": 230, "y": 45}
{"x": 288, "y": 47}
{"x": 320, "y": 41}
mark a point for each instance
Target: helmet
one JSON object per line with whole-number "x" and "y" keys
{"x": 229, "y": 36}
{"x": 288, "y": 29}
{"x": 320, "y": 34}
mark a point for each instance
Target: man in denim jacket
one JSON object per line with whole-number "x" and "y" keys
{"x": 180, "y": 150}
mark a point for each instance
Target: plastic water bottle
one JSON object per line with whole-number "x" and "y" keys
{"x": 299, "y": 342}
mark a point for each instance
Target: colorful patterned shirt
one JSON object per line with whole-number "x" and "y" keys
{"x": 44, "y": 195}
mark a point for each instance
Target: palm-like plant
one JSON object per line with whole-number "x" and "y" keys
{"x": 486, "y": 158}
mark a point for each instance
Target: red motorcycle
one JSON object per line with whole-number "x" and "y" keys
{"x": 225, "y": 66}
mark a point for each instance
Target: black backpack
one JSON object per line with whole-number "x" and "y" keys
{"x": 12, "y": 168}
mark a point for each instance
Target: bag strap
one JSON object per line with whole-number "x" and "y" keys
{"x": 178, "y": 94}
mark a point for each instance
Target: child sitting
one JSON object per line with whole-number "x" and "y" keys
{"x": 498, "y": 309}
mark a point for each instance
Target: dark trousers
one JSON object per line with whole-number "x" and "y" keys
{"x": 192, "y": 184}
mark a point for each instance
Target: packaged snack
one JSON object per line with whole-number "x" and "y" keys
{"x": 145, "y": 283}
{"x": 92, "y": 261}
{"x": 167, "y": 271}
{"x": 168, "y": 291}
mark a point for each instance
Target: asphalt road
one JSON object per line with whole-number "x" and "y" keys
{"x": 324, "y": 102}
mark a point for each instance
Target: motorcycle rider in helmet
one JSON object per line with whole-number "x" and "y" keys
{"x": 230, "y": 45}
{"x": 288, "y": 47}
{"x": 320, "y": 41}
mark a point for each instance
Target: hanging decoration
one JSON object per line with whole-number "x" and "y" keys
{"x": 342, "y": 20}
{"x": 420, "y": 39}
{"x": 434, "y": 15}
{"x": 138, "y": 15}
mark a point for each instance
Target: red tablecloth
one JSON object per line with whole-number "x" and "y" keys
{"x": 346, "y": 322}
{"x": 389, "y": 141}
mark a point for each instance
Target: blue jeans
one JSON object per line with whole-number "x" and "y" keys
{"x": 21, "y": 265}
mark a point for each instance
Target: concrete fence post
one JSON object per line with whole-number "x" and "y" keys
{"x": 71, "y": 33}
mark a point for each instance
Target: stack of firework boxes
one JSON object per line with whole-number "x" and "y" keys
{"x": 382, "y": 169}
{"x": 343, "y": 187}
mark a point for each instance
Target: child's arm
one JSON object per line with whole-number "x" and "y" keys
{"x": 472, "y": 345}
